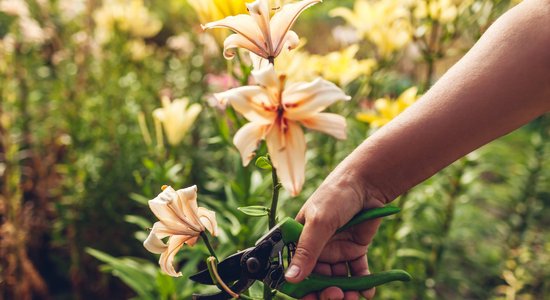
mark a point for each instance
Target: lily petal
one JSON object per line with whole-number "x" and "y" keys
{"x": 238, "y": 41}
{"x": 153, "y": 244}
{"x": 266, "y": 76}
{"x": 242, "y": 24}
{"x": 306, "y": 99}
{"x": 163, "y": 207}
{"x": 283, "y": 20}
{"x": 290, "y": 41}
{"x": 187, "y": 203}
{"x": 247, "y": 139}
{"x": 328, "y": 123}
{"x": 273, "y": 83}
{"x": 259, "y": 10}
{"x": 251, "y": 101}
{"x": 287, "y": 148}
{"x": 164, "y": 229}
{"x": 167, "y": 257}
{"x": 208, "y": 219}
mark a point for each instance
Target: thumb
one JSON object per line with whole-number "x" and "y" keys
{"x": 313, "y": 239}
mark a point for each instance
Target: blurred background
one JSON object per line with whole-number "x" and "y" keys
{"x": 103, "y": 102}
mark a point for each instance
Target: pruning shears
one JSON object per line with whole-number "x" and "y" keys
{"x": 266, "y": 262}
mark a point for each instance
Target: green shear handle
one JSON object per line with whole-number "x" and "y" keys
{"x": 316, "y": 283}
{"x": 291, "y": 231}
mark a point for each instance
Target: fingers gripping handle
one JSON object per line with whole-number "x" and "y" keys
{"x": 317, "y": 282}
{"x": 291, "y": 229}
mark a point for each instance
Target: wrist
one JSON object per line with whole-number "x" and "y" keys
{"x": 362, "y": 191}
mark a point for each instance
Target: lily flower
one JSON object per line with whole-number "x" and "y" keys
{"x": 181, "y": 220}
{"x": 261, "y": 33}
{"x": 275, "y": 111}
{"x": 385, "y": 109}
{"x": 176, "y": 118}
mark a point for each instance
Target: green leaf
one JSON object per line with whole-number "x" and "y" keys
{"x": 263, "y": 163}
{"x": 139, "y": 198}
{"x": 412, "y": 253}
{"x": 140, "y": 221}
{"x": 254, "y": 210}
{"x": 138, "y": 274}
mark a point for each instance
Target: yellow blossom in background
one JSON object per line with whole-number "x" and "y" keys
{"x": 341, "y": 66}
{"x": 384, "y": 23}
{"x": 212, "y": 10}
{"x": 139, "y": 50}
{"x": 444, "y": 11}
{"x": 129, "y": 16}
{"x": 176, "y": 118}
{"x": 385, "y": 109}
{"x": 293, "y": 63}
{"x": 17, "y": 8}
{"x": 29, "y": 28}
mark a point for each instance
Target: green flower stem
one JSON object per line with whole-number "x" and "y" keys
{"x": 207, "y": 243}
{"x": 268, "y": 294}
{"x": 274, "y": 198}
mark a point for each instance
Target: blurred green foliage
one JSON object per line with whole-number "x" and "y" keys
{"x": 77, "y": 166}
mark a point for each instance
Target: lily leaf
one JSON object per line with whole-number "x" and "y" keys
{"x": 263, "y": 163}
{"x": 254, "y": 210}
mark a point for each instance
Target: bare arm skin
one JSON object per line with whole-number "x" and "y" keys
{"x": 502, "y": 83}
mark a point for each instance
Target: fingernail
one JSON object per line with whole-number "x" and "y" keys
{"x": 293, "y": 271}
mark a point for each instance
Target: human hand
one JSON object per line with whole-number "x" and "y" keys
{"x": 321, "y": 250}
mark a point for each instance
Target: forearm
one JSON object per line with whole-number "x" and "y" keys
{"x": 501, "y": 84}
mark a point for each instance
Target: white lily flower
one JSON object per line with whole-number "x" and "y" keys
{"x": 275, "y": 111}
{"x": 260, "y": 32}
{"x": 181, "y": 220}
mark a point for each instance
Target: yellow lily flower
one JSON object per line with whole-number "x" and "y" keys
{"x": 384, "y": 23}
{"x": 294, "y": 64}
{"x": 385, "y": 109}
{"x": 341, "y": 67}
{"x": 176, "y": 118}
{"x": 275, "y": 111}
{"x": 261, "y": 33}
{"x": 130, "y": 16}
{"x": 444, "y": 11}
{"x": 181, "y": 220}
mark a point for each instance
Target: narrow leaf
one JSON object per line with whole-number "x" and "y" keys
{"x": 254, "y": 211}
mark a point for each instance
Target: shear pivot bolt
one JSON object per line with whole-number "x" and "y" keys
{"x": 253, "y": 265}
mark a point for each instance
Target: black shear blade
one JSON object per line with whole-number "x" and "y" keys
{"x": 229, "y": 270}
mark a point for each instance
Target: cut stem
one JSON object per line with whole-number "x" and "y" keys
{"x": 213, "y": 269}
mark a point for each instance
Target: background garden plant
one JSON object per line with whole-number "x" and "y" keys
{"x": 81, "y": 151}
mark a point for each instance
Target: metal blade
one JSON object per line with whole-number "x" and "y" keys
{"x": 229, "y": 270}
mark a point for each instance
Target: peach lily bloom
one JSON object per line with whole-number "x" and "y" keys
{"x": 181, "y": 220}
{"x": 275, "y": 111}
{"x": 261, "y": 33}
